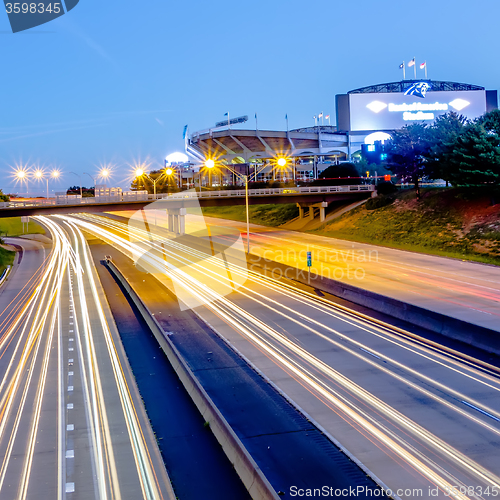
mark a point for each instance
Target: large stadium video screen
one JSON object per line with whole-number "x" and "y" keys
{"x": 390, "y": 111}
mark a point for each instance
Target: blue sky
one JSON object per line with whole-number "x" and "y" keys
{"x": 114, "y": 81}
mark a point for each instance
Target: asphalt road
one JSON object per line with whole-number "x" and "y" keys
{"x": 72, "y": 424}
{"x": 415, "y": 416}
{"x": 464, "y": 290}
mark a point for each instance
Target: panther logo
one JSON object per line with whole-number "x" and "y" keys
{"x": 31, "y": 13}
{"x": 419, "y": 89}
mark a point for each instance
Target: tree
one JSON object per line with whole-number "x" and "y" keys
{"x": 339, "y": 175}
{"x": 4, "y": 197}
{"x": 491, "y": 121}
{"x": 165, "y": 183}
{"x": 441, "y": 137}
{"x": 475, "y": 158}
{"x": 406, "y": 154}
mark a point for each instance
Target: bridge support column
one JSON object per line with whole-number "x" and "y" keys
{"x": 313, "y": 210}
{"x": 177, "y": 220}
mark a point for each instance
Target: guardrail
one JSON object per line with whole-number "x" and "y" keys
{"x": 229, "y": 193}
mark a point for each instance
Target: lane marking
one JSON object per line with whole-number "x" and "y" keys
{"x": 70, "y": 349}
{"x": 70, "y": 453}
{"x": 481, "y": 411}
{"x": 70, "y": 487}
{"x": 70, "y": 427}
{"x": 370, "y": 353}
{"x": 70, "y": 388}
{"x": 69, "y": 406}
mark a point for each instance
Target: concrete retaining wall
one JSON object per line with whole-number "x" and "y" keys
{"x": 252, "y": 477}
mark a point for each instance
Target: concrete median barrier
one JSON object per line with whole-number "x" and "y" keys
{"x": 251, "y": 475}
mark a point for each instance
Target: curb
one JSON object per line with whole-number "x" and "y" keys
{"x": 249, "y": 472}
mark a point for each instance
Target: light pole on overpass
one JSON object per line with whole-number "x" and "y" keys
{"x": 210, "y": 163}
{"x": 93, "y": 180}
{"x": 165, "y": 173}
{"x": 80, "y": 180}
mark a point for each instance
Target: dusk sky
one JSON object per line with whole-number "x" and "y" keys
{"x": 114, "y": 81}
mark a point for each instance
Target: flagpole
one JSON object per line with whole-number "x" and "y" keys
{"x": 286, "y": 116}
{"x": 256, "y": 123}
{"x": 415, "y": 67}
{"x": 404, "y": 71}
{"x": 426, "y": 70}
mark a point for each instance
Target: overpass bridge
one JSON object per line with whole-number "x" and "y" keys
{"x": 315, "y": 198}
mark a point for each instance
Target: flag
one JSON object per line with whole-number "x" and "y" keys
{"x": 256, "y": 116}
{"x": 327, "y": 117}
{"x": 225, "y": 114}
{"x": 320, "y": 115}
{"x": 286, "y": 116}
{"x": 423, "y": 65}
{"x": 411, "y": 63}
{"x": 402, "y": 65}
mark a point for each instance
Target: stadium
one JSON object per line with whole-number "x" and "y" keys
{"x": 364, "y": 116}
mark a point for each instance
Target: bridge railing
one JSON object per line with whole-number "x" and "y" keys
{"x": 229, "y": 193}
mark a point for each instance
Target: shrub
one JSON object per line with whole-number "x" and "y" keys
{"x": 386, "y": 188}
{"x": 378, "y": 202}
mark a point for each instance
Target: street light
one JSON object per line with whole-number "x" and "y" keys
{"x": 209, "y": 163}
{"x": 54, "y": 174}
{"x": 105, "y": 173}
{"x": 39, "y": 175}
{"x": 79, "y": 179}
{"x": 281, "y": 162}
{"x": 139, "y": 172}
{"x": 93, "y": 180}
{"x": 21, "y": 175}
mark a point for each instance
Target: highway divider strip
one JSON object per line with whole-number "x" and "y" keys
{"x": 247, "y": 469}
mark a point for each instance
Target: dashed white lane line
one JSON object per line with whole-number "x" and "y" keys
{"x": 70, "y": 427}
{"x": 70, "y": 487}
{"x": 70, "y": 349}
{"x": 69, "y": 406}
{"x": 70, "y": 453}
{"x": 70, "y": 374}
{"x": 70, "y": 388}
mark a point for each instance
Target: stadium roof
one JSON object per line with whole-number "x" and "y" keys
{"x": 404, "y": 85}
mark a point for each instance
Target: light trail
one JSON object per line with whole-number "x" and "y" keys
{"x": 33, "y": 370}
{"x": 350, "y": 399}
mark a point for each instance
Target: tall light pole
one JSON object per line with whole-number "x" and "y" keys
{"x": 93, "y": 180}
{"x": 21, "y": 175}
{"x": 141, "y": 173}
{"x": 209, "y": 163}
{"x": 80, "y": 180}
{"x": 104, "y": 173}
{"x": 55, "y": 174}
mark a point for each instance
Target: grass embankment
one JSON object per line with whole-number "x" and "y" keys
{"x": 446, "y": 222}
{"x": 267, "y": 215}
{"x": 6, "y": 259}
{"x": 12, "y": 226}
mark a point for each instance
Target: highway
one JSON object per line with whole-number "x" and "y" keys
{"x": 72, "y": 424}
{"x": 465, "y": 290}
{"x": 419, "y": 419}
